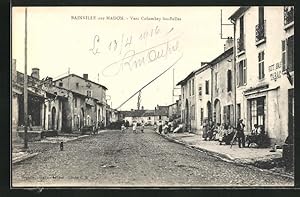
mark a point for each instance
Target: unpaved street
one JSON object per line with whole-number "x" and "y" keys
{"x": 113, "y": 158}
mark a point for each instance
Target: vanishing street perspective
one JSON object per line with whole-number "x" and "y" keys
{"x": 152, "y": 97}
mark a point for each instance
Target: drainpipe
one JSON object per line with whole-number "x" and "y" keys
{"x": 211, "y": 92}
{"x": 234, "y": 72}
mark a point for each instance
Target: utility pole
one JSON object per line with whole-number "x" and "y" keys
{"x": 25, "y": 88}
{"x": 139, "y": 101}
{"x": 234, "y": 74}
{"x": 173, "y": 87}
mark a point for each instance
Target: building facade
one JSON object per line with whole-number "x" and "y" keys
{"x": 88, "y": 105}
{"x": 204, "y": 94}
{"x": 222, "y": 88}
{"x": 265, "y": 68}
{"x": 188, "y": 102}
{"x": 149, "y": 117}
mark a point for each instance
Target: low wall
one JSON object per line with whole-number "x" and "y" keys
{"x": 31, "y": 135}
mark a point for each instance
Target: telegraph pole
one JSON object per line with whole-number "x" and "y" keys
{"x": 25, "y": 88}
{"x": 173, "y": 87}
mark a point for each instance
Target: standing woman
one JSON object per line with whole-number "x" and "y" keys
{"x": 134, "y": 127}
{"x": 205, "y": 128}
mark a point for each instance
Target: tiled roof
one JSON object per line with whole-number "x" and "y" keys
{"x": 82, "y": 79}
{"x": 146, "y": 113}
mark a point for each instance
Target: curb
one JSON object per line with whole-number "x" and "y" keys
{"x": 225, "y": 157}
{"x": 17, "y": 160}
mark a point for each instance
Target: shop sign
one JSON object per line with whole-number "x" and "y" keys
{"x": 275, "y": 71}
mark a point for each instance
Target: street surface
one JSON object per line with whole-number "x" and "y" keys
{"x": 113, "y": 158}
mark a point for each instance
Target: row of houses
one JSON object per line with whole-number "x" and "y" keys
{"x": 253, "y": 77}
{"x": 63, "y": 105}
{"x": 148, "y": 117}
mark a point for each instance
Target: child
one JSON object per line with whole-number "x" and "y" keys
{"x": 123, "y": 128}
{"x": 134, "y": 127}
{"x": 142, "y": 127}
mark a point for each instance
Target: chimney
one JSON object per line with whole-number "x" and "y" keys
{"x": 14, "y": 70}
{"x": 228, "y": 44}
{"x": 35, "y": 73}
{"x": 86, "y": 76}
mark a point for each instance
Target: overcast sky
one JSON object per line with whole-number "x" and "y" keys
{"x": 124, "y": 55}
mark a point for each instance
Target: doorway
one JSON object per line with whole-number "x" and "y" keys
{"x": 53, "y": 118}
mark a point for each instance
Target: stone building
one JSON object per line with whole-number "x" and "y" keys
{"x": 89, "y": 100}
{"x": 264, "y": 48}
{"x": 222, "y": 87}
{"x": 203, "y": 95}
{"x": 188, "y": 106}
{"x": 174, "y": 111}
{"x": 149, "y": 117}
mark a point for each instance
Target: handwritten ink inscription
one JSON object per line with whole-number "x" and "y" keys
{"x": 127, "y": 49}
{"x": 275, "y": 71}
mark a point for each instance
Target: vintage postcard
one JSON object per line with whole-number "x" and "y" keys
{"x": 152, "y": 96}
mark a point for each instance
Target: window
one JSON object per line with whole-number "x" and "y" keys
{"x": 190, "y": 88}
{"x": 240, "y": 40}
{"x": 242, "y": 28}
{"x": 89, "y": 93}
{"x": 257, "y": 111}
{"x": 193, "y": 85}
{"x": 228, "y": 114}
{"x": 75, "y": 102}
{"x": 288, "y": 54}
{"x": 261, "y": 66}
{"x": 60, "y": 84}
{"x": 200, "y": 91}
{"x": 201, "y": 114}
{"x": 216, "y": 82}
{"x": 260, "y": 27}
{"x": 238, "y": 113}
{"x": 207, "y": 87}
{"x": 149, "y": 118}
{"x": 77, "y": 85}
{"x": 159, "y": 117}
{"x": 182, "y": 90}
{"x": 193, "y": 112}
{"x": 242, "y": 75}
{"x": 229, "y": 81}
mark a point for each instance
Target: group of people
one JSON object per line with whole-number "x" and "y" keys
{"x": 135, "y": 127}
{"x": 168, "y": 126}
{"x": 224, "y": 133}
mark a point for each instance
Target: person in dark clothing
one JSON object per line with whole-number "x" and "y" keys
{"x": 240, "y": 133}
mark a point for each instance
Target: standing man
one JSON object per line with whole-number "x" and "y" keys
{"x": 240, "y": 133}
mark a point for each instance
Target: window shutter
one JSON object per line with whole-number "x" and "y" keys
{"x": 237, "y": 75}
{"x": 283, "y": 57}
{"x": 245, "y": 71}
{"x": 290, "y": 53}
